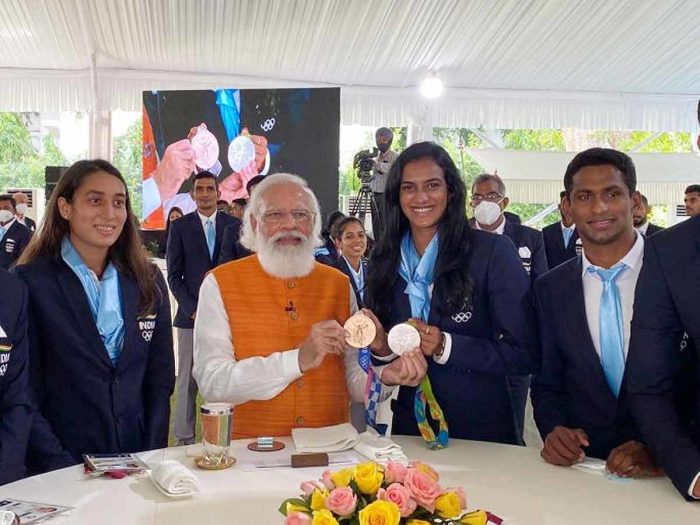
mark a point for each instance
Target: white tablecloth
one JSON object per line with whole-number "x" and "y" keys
{"x": 512, "y": 482}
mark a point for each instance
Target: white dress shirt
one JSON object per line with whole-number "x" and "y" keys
{"x": 204, "y": 219}
{"x": 626, "y": 283}
{"x": 501, "y": 227}
{"x": 221, "y": 378}
{"x": 643, "y": 228}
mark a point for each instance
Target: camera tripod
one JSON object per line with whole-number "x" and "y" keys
{"x": 365, "y": 202}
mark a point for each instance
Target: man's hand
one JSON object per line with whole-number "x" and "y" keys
{"x": 632, "y": 460}
{"x": 174, "y": 168}
{"x": 430, "y": 338}
{"x": 379, "y": 346}
{"x": 409, "y": 370}
{"x": 696, "y": 488}
{"x": 562, "y": 446}
{"x": 193, "y": 316}
{"x": 325, "y": 338}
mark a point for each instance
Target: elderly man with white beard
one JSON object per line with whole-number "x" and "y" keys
{"x": 268, "y": 335}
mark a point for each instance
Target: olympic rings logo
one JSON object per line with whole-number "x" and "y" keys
{"x": 268, "y": 124}
{"x": 462, "y": 317}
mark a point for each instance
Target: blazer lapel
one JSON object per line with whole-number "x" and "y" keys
{"x": 78, "y": 303}
{"x": 130, "y": 301}
{"x": 198, "y": 233}
{"x": 576, "y": 317}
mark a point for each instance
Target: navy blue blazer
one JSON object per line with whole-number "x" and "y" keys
{"x": 652, "y": 229}
{"x": 571, "y": 389}
{"x": 530, "y": 240}
{"x": 84, "y": 404}
{"x": 13, "y": 244}
{"x": 231, "y": 248}
{"x": 30, "y": 223}
{"x": 667, "y": 305}
{"x": 493, "y": 338}
{"x": 342, "y": 265}
{"x": 15, "y": 406}
{"x": 188, "y": 261}
{"x": 554, "y": 245}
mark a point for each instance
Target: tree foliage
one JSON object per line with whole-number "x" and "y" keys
{"x": 128, "y": 159}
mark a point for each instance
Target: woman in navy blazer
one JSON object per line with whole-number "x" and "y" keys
{"x": 93, "y": 395}
{"x": 480, "y": 327}
{"x": 352, "y": 241}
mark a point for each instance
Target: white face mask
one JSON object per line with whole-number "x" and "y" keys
{"x": 487, "y": 213}
{"x": 22, "y": 208}
{"x": 6, "y": 216}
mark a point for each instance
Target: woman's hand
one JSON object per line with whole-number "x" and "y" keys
{"x": 379, "y": 346}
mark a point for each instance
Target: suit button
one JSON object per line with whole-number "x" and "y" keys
{"x": 290, "y": 284}
{"x": 293, "y": 316}
{"x": 300, "y": 383}
{"x": 116, "y": 380}
{"x": 300, "y": 420}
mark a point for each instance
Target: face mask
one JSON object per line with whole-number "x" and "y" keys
{"x": 6, "y": 215}
{"x": 22, "y": 208}
{"x": 487, "y": 213}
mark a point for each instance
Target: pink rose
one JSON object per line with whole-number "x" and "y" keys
{"x": 342, "y": 501}
{"x": 425, "y": 469}
{"x": 424, "y": 489}
{"x": 397, "y": 493}
{"x": 297, "y": 518}
{"x": 394, "y": 472}
{"x": 308, "y": 487}
{"x": 327, "y": 481}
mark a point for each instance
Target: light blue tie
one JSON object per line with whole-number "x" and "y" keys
{"x": 611, "y": 335}
{"x": 211, "y": 238}
{"x": 3, "y": 231}
{"x": 568, "y": 232}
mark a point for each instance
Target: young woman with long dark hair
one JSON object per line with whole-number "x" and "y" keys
{"x": 467, "y": 294}
{"x": 99, "y": 324}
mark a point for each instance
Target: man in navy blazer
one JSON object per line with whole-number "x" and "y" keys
{"x": 561, "y": 239}
{"x": 579, "y": 406}
{"x": 640, "y": 216}
{"x": 194, "y": 246}
{"x": 488, "y": 197}
{"x": 666, "y": 318}
{"x": 15, "y": 409}
{"x": 231, "y": 248}
{"x": 14, "y": 237}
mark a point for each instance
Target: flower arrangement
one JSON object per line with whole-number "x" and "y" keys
{"x": 373, "y": 494}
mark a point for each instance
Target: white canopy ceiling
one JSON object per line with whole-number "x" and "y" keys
{"x": 537, "y": 176}
{"x": 615, "y": 64}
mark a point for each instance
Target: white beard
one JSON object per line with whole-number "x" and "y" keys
{"x": 283, "y": 261}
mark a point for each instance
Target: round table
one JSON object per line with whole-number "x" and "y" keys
{"x": 512, "y": 482}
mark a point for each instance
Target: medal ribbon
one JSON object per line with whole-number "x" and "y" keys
{"x": 418, "y": 271}
{"x": 373, "y": 389}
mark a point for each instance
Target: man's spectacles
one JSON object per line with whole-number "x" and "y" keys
{"x": 279, "y": 216}
{"x": 490, "y": 197}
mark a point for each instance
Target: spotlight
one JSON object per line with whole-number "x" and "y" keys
{"x": 432, "y": 86}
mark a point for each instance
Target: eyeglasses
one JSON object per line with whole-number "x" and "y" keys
{"x": 490, "y": 197}
{"x": 279, "y": 216}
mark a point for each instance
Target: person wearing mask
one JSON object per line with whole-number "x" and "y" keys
{"x": 561, "y": 241}
{"x": 174, "y": 214}
{"x": 328, "y": 252}
{"x": 194, "y": 245}
{"x": 489, "y": 202}
{"x": 301, "y": 373}
{"x": 223, "y": 206}
{"x": 640, "y": 218}
{"x": 14, "y": 237}
{"x": 467, "y": 294}
{"x": 382, "y": 164}
{"x": 584, "y": 310}
{"x": 15, "y": 406}
{"x": 99, "y": 325}
{"x": 22, "y": 207}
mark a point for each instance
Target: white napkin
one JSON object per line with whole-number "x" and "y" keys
{"x": 7, "y": 517}
{"x": 325, "y": 439}
{"x": 379, "y": 448}
{"x": 174, "y": 478}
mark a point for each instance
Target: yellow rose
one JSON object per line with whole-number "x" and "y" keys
{"x": 380, "y": 512}
{"x": 323, "y": 517}
{"x": 368, "y": 477}
{"x": 342, "y": 478}
{"x": 447, "y": 505}
{"x": 318, "y": 499}
{"x": 478, "y": 517}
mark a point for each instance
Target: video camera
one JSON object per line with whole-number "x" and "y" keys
{"x": 364, "y": 163}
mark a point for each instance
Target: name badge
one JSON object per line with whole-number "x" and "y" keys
{"x": 4, "y": 357}
{"x": 10, "y": 245}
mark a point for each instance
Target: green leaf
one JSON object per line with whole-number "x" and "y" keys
{"x": 298, "y": 502}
